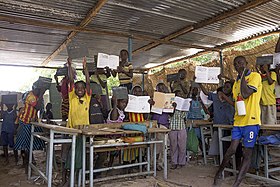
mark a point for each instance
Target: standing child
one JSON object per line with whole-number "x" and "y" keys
{"x": 178, "y": 135}
{"x": 79, "y": 100}
{"x": 163, "y": 122}
{"x": 8, "y": 129}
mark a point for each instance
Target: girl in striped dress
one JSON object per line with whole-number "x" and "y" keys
{"x": 28, "y": 115}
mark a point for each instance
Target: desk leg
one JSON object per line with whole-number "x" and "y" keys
{"x": 149, "y": 157}
{"x": 220, "y": 134}
{"x": 155, "y": 159}
{"x": 91, "y": 161}
{"x": 72, "y": 171}
{"x": 165, "y": 156}
{"x": 265, "y": 161}
{"x": 84, "y": 162}
{"x": 50, "y": 158}
{"x": 203, "y": 145}
{"x": 140, "y": 159}
{"x": 30, "y": 152}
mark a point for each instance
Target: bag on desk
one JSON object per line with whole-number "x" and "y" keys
{"x": 192, "y": 141}
{"x": 135, "y": 127}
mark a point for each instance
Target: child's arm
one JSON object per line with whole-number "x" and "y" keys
{"x": 222, "y": 96}
{"x": 203, "y": 89}
{"x": 87, "y": 75}
{"x": 107, "y": 72}
{"x": 102, "y": 83}
{"x": 114, "y": 73}
{"x": 204, "y": 107}
{"x": 269, "y": 79}
{"x": 129, "y": 73}
{"x": 58, "y": 87}
{"x": 2, "y": 108}
{"x": 70, "y": 72}
{"x": 114, "y": 113}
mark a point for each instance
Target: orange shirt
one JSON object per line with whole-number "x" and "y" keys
{"x": 29, "y": 110}
{"x": 135, "y": 117}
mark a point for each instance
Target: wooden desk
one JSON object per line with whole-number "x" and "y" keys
{"x": 50, "y": 138}
{"x": 96, "y": 130}
{"x": 275, "y": 127}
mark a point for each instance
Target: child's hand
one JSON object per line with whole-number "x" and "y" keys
{"x": 120, "y": 69}
{"x": 265, "y": 68}
{"x": 174, "y": 104}
{"x": 221, "y": 96}
{"x": 151, "y": 101}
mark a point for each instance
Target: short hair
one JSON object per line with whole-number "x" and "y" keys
{"x": 124, "y": 50}
{"x": 240, "y": 58}
{"x": 182, "y": 70}
{"x": 230, "y": 82}
{"x": 80, "y": 82}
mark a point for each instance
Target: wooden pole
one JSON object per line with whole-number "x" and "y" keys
{"x": 204, "y": 23}
{"x": 90, "y": 16}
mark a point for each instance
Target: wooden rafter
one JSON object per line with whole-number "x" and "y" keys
{"x": 63, "y": 27}
{"x": 91, "y": 14}
{"x": 204, "y": 23}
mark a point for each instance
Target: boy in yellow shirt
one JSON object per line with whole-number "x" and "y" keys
{"x": 248, "y": 86}
{"x": 268, "y": 98}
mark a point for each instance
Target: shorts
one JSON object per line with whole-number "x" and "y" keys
{"x": 7, "y": 139}
{"x": 248, "y": 133}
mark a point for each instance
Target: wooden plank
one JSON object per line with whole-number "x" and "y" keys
{"x": 59, "y": 26}
{"x": 190, "y": 28}
{"x": 91, "y": 14}
{"x": 57, "y": 128}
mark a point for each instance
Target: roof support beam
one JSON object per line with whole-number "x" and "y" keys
{"x": 59, "y": 26}
{"x": 90, "y": 16}
{"x": 204, "y": 23}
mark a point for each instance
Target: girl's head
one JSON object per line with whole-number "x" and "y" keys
{"x": 49, "y": 106}
{"x": 123, "y": 55}
{"x": 227, "y": 88}
{"x": 122, "y": 103}
{"x": 80, "y": 88}
{"x": 182, "y": 73}
{"x": 161, "y": 88}
{"x": 137, "y": 90}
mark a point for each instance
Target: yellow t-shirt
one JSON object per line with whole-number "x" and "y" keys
{"x": 252, "y": 103}
{"x": 78, "y": 111}
{"x": 103, "y": 77}
{"x": 268, "y": 91}
{"x": 123, "y": 78}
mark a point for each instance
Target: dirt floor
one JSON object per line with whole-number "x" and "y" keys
{"x": 194, "y": 174}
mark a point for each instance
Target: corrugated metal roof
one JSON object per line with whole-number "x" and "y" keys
{"x": 26, "y": 44}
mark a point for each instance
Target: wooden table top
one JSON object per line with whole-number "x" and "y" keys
{"x": 57, "y": 128}
{"x": 275, "y": 127}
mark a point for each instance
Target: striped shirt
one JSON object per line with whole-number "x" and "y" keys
{"x": 123, "y": 78}
{"x": 136, "y": 117}
{"x": 29, "y": 111}
{"x": 177, "y": 121}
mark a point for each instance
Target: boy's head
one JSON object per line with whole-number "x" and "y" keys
{"x": 137, "y": 90}
{"x": 49, "y": 106}
{"x": 161, "y": 88}
{"x": 227, "y": 88}
{"x": 182, "y": 73}
{"x": 240, "y": 64}
{"x": 262, "y": 68}
{"x": 122, "y": 103}
{"x": 194, "y": 91}
{"x": 10, "y": 106}
{"x": 123, "y": 55}
{"x": 80, "y": 88}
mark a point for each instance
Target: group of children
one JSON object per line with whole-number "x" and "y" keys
{"x": 81, "y": 107}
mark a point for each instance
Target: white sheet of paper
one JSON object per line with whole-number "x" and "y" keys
{"x": 138, "y": 104}
{"x": 207, "y": 74}
{"x": 276, "y": 60}
{"x": 163, "y": 103}
{"x": 156, "y": 110}
{"x": 182, "y": 104}
{"x": 205, "y": 99}
{"x": 103, "y": 60}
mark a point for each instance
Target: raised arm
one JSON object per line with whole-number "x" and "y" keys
{"x": 86, "y": 75}
{"x": 70, "y": 72}
{"x": 267, "y": 72}
{"x": 102, "y": 83}
{"x": 245, "y": 90}
{"x": 223, "y": 96}
{"x": 203, "y": 89}
{"x": 58, "y": 87}
{"x": 114, "y": 113}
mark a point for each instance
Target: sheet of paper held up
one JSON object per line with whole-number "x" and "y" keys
{"x": 182, "y": 104}
{"x": 207, "y": 74}
{"x": 138, "y": 104}
{"x": 103, "y": 60}
{"x": 276, "y": 60}
{"x": 163, "y": 103}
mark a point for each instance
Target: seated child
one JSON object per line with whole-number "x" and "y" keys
{"x": 8, "y": 130}
{"x": 48, "y": 115}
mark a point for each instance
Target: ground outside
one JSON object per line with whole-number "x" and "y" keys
{"x": 194, "y": 174}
